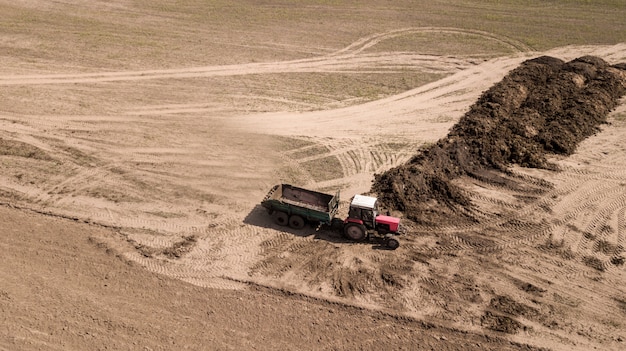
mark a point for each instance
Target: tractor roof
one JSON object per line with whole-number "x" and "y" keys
{"x": 363, "y": 201}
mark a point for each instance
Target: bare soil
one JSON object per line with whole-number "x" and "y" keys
{"x": 137, "y": 140}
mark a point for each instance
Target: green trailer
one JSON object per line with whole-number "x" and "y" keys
{"x": 294, "y": 206}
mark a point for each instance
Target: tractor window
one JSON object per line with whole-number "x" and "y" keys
{"x": 355, "y": 213}
{"x": 367, "y": 216}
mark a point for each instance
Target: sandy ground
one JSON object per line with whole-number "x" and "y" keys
{"x": 131, "y": 215}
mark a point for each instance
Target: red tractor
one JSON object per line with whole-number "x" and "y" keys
{"x": 364, "y": 217}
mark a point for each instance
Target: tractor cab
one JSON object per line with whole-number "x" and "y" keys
{"x": 364, "y": 216}
{"x": 365, "y": 209}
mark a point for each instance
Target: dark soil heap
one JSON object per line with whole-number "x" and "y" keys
{"x": 545, "y": 106}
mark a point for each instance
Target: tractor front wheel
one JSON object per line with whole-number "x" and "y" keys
{"x": 354, "y": 231}
{"x": 392, "y": 243}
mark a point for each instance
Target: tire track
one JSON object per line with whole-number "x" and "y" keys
{"x": 597, "y": 229}
{"x": 367, "y": 63}
{"x": 341, "y": 60}
{"x": 305, "y": 176}
{"x": 393, "y": 156}
{"x": 340, "y": 150}
{"x": 361, "y": 156}
{"x": 580, "y": 194}
{"x": 621, "y": 227}
{"x": 219, "y": 257}
{"x": 76, "y": 183}
{"x": 515, "y": 227}
{"x": 581, "y": 206}
{"x": 372, "y": 40}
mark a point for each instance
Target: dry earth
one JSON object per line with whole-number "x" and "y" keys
{"x": 131, "y": 193}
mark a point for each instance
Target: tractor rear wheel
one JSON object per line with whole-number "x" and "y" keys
{"x": 281, "y": 218}
{"x": 296, "y": 222}
{"x": 354, "y": 231}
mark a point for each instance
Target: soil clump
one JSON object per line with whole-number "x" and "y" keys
{"x": 543, "y": 107}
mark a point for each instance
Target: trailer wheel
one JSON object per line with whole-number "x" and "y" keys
{"x": 354, "y": 231}
{"x": 392, "y": 243}
{"x": 281, "y": 218}
{"x": 296, "y": 222}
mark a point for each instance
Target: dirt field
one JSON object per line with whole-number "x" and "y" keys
{"x": 138, "y": 138}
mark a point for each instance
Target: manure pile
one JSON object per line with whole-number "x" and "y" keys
{"x": 545, "y": 106}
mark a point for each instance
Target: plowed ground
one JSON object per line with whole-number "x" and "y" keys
{"x": 133, "y": 160}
